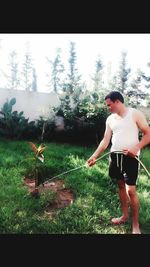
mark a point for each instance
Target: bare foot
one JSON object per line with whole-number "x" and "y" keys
{"x": 119, "y": 220}
{"x": 136, "y": 231}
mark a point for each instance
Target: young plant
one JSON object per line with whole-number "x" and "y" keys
{"x": 36, "y": 164}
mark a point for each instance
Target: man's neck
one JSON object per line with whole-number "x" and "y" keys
{"x": 122, "y": 111}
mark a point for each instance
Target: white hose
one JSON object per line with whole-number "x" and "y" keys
{"x": 85, "y": 165}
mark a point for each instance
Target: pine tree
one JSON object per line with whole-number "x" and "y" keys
{"x": 146, "y": 78}
{"x": 135, "y": 92}
{"x": 34, "y": 80}
{"x": 123, "y": 73}
{"x": 72, "y": 86}
{"x": 98, "y": 82}
{"x": 12, "y": 80}
{"x": 57, "y": 71}
{"x": 27, "y": 72}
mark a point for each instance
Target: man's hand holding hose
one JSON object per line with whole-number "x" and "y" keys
{"x": 132, "y": 151}
{"x": 91, "y": 161}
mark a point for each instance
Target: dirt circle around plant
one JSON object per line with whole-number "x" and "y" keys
{"x": 63, "y": 198}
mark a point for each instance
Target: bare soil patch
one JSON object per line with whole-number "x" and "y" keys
{"x": 64, "y": 196}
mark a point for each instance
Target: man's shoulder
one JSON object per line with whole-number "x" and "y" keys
{"x": 110, "y": 117}
{"x": 137, "y": 114}
{"x": 135, "y": 110}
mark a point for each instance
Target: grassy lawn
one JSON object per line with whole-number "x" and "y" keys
{"x": 96, "y": 199}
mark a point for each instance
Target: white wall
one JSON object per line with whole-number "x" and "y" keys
{"x": 33, "y": 104}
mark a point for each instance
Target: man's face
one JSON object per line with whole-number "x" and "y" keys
{"x": 112, "y": 106}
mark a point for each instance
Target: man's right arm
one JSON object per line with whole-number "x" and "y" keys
{"x": 102, "y": 146}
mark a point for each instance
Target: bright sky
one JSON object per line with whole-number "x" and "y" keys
{"x": 88, "y": 47}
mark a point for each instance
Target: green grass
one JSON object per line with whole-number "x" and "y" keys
{"x": 96, "y": 199}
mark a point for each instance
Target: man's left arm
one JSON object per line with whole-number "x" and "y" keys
{"x": 142, "y": 124}
{"x": 145, "y": 129}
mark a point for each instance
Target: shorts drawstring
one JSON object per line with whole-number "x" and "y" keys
{"x": 117, "y": 160}
{"x": 121, "y": 161}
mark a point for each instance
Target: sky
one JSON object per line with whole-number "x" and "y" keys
{"x": 88, "y": 47}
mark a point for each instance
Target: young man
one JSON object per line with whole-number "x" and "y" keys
{"x": 122, "y": 128}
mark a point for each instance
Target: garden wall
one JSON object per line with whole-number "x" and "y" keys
{"x": 33, "y": 104}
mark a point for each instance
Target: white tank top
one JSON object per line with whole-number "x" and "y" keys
{"x": 125, "y": 132}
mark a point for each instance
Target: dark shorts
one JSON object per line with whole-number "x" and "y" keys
{"x": 124, "y": 168}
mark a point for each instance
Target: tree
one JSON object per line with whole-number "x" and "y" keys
{"x": 12, "y": 76}
{"x": 146, "y": 78}
{"x": 148, "y": 102}
{"x": 136, "y": 92}
{"x": 57, "y": 71}
{"x": 27, "y": 72}
{"x": 98, "y": 83}
{"x": 122, "y": 77}
{"x": 109, "y": 77}
{"x": 14, "y": 81}
{"x": 34, "y": 80}
{"x": 72, "y": 85}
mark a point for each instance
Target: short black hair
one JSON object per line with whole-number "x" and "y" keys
{"x": 115, "y": 95}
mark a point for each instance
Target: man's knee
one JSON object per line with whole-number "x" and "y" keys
{"x": 131, "y": 190}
